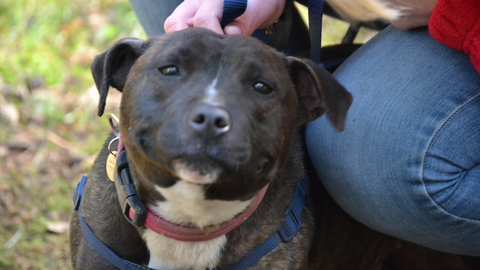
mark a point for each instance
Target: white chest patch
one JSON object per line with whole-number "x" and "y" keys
{"x": 169, "y": 254}
{"x": 185, "y": 204}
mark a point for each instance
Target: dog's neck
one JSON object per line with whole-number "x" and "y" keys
{"x": 185, "y": 203}
{"x": 170, "y": 254}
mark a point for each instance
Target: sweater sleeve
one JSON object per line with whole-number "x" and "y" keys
{"x": 456, "y": 23}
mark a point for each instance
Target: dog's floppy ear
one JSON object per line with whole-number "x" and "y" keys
{"x": 318, "y": 93}
{"x": 112, "y": 67}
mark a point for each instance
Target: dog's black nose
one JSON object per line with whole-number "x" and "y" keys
{"x": 210, "y": 120}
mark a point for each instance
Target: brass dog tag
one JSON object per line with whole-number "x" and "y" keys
{"x": 111, "y": 161}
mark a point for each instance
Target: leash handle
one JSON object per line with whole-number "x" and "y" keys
{"x": 231, "y": 10}
{"x": 283, "y": 28}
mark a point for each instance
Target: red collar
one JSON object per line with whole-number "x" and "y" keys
{"x": 186, "y": 233}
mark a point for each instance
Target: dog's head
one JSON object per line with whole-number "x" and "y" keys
{"x": 219, "y": 111}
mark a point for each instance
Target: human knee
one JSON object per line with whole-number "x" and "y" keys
{"x": 451, "y": 166}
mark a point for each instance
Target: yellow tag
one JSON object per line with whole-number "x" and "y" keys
{"x": 111, "y": 161}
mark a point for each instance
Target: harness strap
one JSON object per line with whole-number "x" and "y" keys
{"x": 315, "y": 15}
{"x": 290, "y": 226}
{"x": 231, "y": 10}
{"x": 94, "y": 242}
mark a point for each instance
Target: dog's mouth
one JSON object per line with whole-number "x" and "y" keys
{"x": 197, "y": 169}
{"x": 204, "y": 170}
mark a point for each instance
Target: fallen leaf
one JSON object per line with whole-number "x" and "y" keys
{"x": 60, "y": 227}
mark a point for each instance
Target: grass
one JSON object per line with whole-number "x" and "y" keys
{"x": 49, "y": 132}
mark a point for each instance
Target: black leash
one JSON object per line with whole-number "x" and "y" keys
{"x": 282, "y": 30}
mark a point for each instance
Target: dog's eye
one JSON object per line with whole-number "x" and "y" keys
{"x": 169, "y": 70}
{"x": 262, "y": 88}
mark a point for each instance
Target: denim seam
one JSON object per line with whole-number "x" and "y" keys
{"x": 425, "y": 160}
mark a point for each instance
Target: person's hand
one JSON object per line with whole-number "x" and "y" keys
{"x": 413, "y": 13}
{"x": 208, "y": 13}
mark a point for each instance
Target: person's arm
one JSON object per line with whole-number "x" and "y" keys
{"x": 263, "y": 13}
{"x": 207, "y": 14}
{"x": 412, "y": 13}
{"x": 456, "y": 23}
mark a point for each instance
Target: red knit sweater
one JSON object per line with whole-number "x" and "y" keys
{"x": 456, "y": 23}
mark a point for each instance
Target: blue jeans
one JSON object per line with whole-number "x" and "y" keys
{"x": 152, "y": 14}
{"x": 408, "y": 162}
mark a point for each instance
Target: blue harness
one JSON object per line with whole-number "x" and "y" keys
{"x": 285, "y": 233}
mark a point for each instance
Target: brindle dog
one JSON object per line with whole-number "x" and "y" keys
{"x": 207, "y": 122}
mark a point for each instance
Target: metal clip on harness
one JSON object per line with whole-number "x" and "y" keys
{"x": 127, "y": 194}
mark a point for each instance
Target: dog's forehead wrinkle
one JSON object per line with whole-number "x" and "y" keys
{"x": 188, "y": 54}
{"x": 251, "y": 70}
